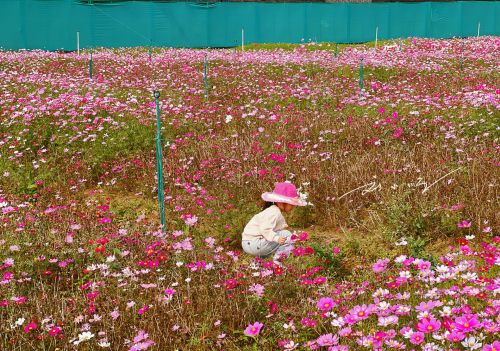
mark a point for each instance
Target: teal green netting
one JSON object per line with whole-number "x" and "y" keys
{"x": 52, "y": 24}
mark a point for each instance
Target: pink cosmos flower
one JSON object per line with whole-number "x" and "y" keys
{"x": 428, "y": 325}
{"x": 114, "y": 314}
{"x": 143, "y": 309}
{"x": 464, "y": 224}
{"x": 424, "y": 265}
{"x": 104, "y": 220}
{"x": 306, "y": 322}
{"x": 140, "y": 341}
{"x": 345, "y": 331}
{"x": 380, "y": 265}
{"x": 319, "y": 280}
{"x": 397, "y": 133}
{"x": 191, "y": 221}
{"x": 143, "y": 345}
{"x": 455, "y": 336}
{"x": 425, "y": 306}
{"x": 325, "y": 304}
{"x": 362, "y": 312}
{"x": 339, "y": 348}
{"x": 253, "y": 329}
{"x": 378, "y": 338}
{"x": 257, "y": 289}
{"x": 303, "y": 236}
{"x": 327, "y": 340}
{"x": 416, "y": 338}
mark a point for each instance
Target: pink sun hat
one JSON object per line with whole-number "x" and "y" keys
{"x": 284, "y": 192}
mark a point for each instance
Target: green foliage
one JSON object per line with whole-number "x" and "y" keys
{"x": 334, "y": 263}
{"x": 416, "y": 248}
{"x": 382, "y": 74}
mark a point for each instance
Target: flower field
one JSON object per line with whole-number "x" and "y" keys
{"x": 399, "y": 250}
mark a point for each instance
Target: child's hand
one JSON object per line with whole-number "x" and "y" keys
{"x": 281, "y": 241}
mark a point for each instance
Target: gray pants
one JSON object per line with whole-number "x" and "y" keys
{"x": 262, "y": 248}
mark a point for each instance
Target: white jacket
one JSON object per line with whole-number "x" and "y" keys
{"x": 264, "y": 224}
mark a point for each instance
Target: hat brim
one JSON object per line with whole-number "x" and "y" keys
{"x": 272, "y": 197}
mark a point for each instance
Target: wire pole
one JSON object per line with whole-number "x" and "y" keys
{"x": 462, "y": 58}
{"x": 159, "y": 163}
{"x": 78, "y": 42}
{"x": 90, "y": 65}
{"x": 361, "y": 87}
{"x": 205, "y": 76}
{"x": 242, "y": 39}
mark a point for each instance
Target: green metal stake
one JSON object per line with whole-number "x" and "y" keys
{"x": 336, "y": 49}
{"x": 361, "y": 75}
{"x": 90, "y": 65}
{"x": 159, "y": 163}
{"x": 462, "y": 58}
{"x": 400, "y": 46}
{"x": 150, "y": 51}
{"x": 205, "y": 76}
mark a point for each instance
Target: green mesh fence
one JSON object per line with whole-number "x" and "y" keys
{"x": 52, "y": 24}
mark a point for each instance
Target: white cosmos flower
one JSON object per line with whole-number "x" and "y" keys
{"x": 400, "y": 259}
{"x": 401, "y": 242}
{"x": 405, "y": 274}
{"x": 291, "y": 345}
{"x": 442, "y": 268}
{"x": 83, "y": 337}
{"x": 384, "y": 305}
{"x": 407, "y": 334}
{"x": 446, "y": 311}
{"x": 471, "y": 343}
{"x": 20, "y": 321}
{"x": 469, "y": 276}
{"x": 380, "y": 292}
{"x": 339, "y": 322}
{"x": 104, "y": 343}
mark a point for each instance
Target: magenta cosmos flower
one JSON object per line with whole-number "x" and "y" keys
{"x": 54, "y": 331}
{"x": 428, "y": 325}
{"x": 493, "y": 347}
{"x": 253, "y": 329}
{"x": 325, "y": 304}
{"x": 169, "y": 292}
{"x": 30, "y": 327}
{"x": 466, "y": 323}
